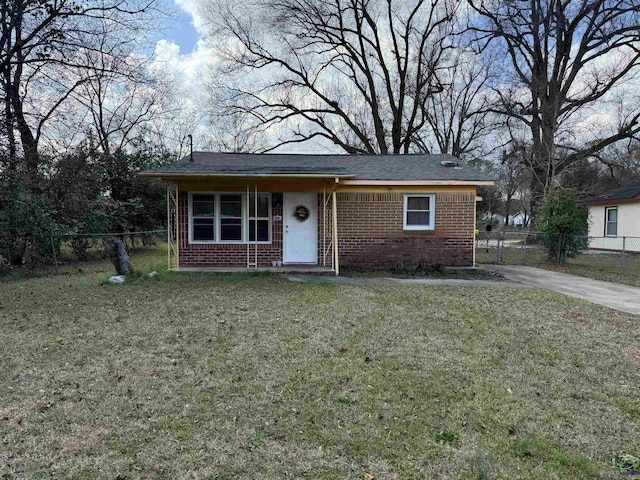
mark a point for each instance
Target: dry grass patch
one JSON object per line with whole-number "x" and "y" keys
{"x": 632, "y": 355}
{"x": 255, "y": 377}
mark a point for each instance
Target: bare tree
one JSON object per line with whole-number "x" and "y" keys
{"x": 622, "y": 161}
{"x": 120, "y": 98}
{"x": 356, "y": 73}
{"x": 514, "y": 180}
{"x": 458, "y": 117}
{"x": 40, "y": 60}
{"x": 568, "y": 60}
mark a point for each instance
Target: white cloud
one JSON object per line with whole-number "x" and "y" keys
{"x": 187, "y": 71}
{"x": 194, "y": 8}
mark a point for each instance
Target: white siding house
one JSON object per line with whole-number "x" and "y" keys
{"x": 614, "y": 220}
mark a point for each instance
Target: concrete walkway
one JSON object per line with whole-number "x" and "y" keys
{"x": 613, "y": 295}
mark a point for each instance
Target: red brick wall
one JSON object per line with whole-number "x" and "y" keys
{"x": 370, "y": 228}
{"x": 221, "y": 254}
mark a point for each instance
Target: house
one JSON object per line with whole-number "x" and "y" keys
{"x": 614, "y": 220}
{"x": 519, "y": 220}
{"x": 319, "y": 211}
{"x": 494, "y": 219}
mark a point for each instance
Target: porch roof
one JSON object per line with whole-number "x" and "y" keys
{"x": 378, "y": 168}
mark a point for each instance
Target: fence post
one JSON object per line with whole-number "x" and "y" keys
{"x": 53, "y": 250}
{"x": 524, "y": 251}
{"x": 624, "y": 254}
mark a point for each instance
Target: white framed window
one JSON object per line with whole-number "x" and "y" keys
{"x": 231, "y": 213}
{"x": 419, "y": 211}
{"x": 226, "y": 218}
{"x": 611, "y": 221}
{"x": 202, "y": 217}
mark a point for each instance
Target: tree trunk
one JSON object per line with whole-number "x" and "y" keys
{"x": 120, "y": 258}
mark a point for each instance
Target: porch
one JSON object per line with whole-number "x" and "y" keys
{"x": 289, "y": 268}
{"x": 265, "y": 210}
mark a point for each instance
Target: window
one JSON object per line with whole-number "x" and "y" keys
{"x": 226, "y": 218}
{"x": 419, "y": 211}
{"x": 231, "y": 218}
{"x": 611, "y": 221}
{"x": 203, "y": 218}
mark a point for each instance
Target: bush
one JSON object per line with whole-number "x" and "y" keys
{"x": 562, "y": 225}
{"x": 25, "y": 220}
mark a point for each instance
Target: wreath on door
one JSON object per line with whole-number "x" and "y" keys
{"x": 301, "y": 213}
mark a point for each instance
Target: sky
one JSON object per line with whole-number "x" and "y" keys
{"x": 181, "y": 51}
{"x": 187, "y": 27}
{"x": 182, "y": 32}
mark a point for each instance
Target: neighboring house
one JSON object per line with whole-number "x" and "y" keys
{"x": 519, "y": 220}
{"x": 495, "y": 219}
{"x": 614, "y": 219}
{"x": 319, "y": 211}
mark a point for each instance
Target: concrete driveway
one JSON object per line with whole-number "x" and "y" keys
{"x": 613, "y": 295}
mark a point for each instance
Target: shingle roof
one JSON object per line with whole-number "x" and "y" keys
{"x": 358, "y": 167}
{"x": 624, "y": 193}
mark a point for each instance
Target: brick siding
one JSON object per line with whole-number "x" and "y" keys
{"x": 225, "y": 254}
{"x": 370, "y": 229}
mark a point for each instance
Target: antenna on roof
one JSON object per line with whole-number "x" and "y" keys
{"x": 190, "y": 147}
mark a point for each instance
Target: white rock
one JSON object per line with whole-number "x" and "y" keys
{"x": 117, "y": 279}
{"x": 152, "y": 274}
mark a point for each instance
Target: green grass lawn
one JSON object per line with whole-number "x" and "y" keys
{"x": 226, "y": 377}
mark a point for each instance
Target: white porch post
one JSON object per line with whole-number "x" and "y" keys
{"x": 169, "y": 228}
{"x": 248, "y": 243}
{"x": 173, "y": 228}
{"x": 255, "y": 224}
{"x": 335, "y": 232}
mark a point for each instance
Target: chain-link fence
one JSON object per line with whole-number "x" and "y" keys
{"x": 607, "y": 254}
{"x": 59, "y": 252}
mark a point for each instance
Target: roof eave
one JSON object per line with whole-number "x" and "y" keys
{"x": 344, "y": 179}
{"x": 424, "y": 182}
{"x": 613, "y": 201}
{"x": 187, "y": 176}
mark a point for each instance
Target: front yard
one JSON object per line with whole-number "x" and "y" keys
{"x": 257, "y": 377}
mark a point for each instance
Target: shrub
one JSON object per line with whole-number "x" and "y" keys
{"x": 26, "y": 220}
{"x": 562, "y": 225}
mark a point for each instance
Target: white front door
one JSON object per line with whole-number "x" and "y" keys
{"x": 300, "y": 218}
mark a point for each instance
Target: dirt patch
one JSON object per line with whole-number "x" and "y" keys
{"x": 84, "y": 437}
{"x": 615, "y": 319}
{"x": 632, "y": 355}
{"x": 15, "y": 413}
{"x": 578, "y": 316}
